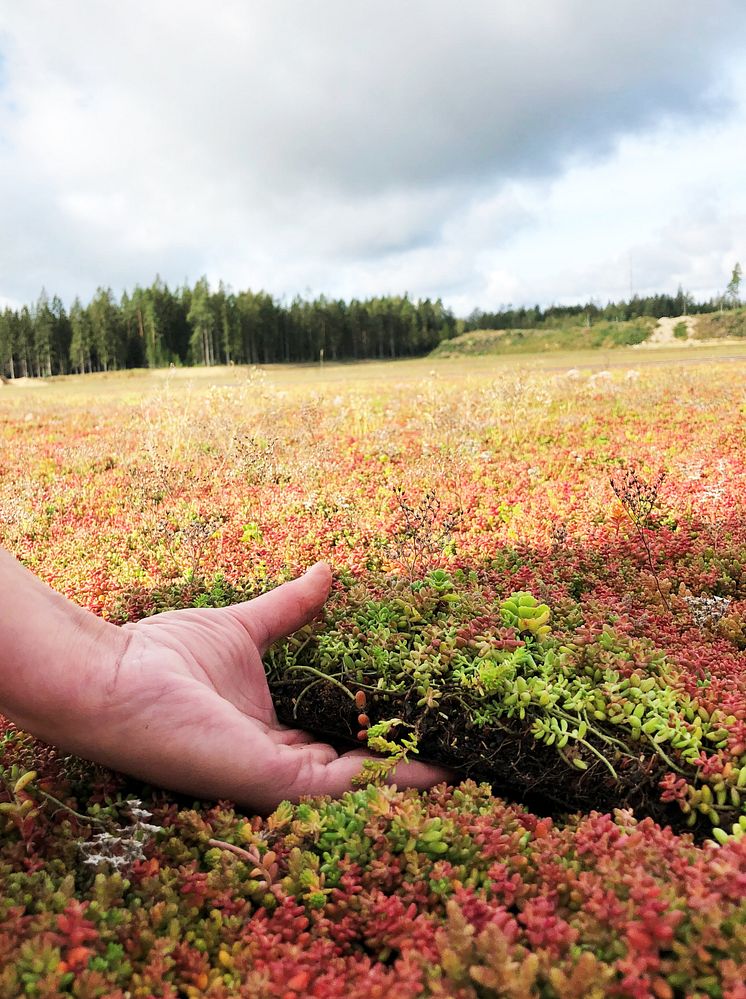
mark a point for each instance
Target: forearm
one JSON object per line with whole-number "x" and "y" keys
{"x": 47, "y": 646}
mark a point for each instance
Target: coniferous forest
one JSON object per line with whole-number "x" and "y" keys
{"x": 156, "y": 326}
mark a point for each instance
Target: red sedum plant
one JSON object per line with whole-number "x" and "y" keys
{"x": 577, "y": 721}
{"x": 448, "y": 893}
{"x": 488, "y": 483}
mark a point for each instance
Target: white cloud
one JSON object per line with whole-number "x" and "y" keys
{"x": 486, "y": 152}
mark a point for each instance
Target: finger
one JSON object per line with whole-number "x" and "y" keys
{"x": 321, "y": 752}
{"x": 413, "y": 774}
{"x": 290, "y": 736}
{"x": 421, "y": 775}
{"x": 434, "y": 770}
{"x": 308, "y": 776}
{"x": 287, "y": 608}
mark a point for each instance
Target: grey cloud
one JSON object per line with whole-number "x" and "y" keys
{"x": 364, "y": 97}
{"x": 285, "y": 138}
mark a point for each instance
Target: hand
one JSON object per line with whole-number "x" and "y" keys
{"x": 183, "y": 703}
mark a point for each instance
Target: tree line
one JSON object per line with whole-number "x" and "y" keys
{"x": 636, "y": 307}
{"x": 156, "y": 326}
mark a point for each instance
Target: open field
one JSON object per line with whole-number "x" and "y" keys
{"x": 611, "y": 485}
{"x": 132, "y": 385}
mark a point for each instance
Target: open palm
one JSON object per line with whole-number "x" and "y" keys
{"x": 187, "y": 706}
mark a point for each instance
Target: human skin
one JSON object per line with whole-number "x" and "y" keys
{"x": 179, "y": 700}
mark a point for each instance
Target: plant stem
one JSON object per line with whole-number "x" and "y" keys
{"x": 78, "y": 815}
{"x": 601, "y": 757}
{"x": 239, "y": 851}
{"x": 323, "y": 676}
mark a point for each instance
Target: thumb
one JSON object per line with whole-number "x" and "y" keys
{"x": 287, "y": 608}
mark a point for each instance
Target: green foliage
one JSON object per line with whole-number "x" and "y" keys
{"x": 219, "y": 594}
{"x": 156, "y": 326}
{"x": 393, "y": 751}
{"x": 720, "y": 325}
{"x": 251, "y": 532}
{"x": 523, "y": 612}
{"x": 734, "y": 285}
{"x": 589, "y": 313}
{"x": 592, "y": 702}
{"x": 572, "y": 336}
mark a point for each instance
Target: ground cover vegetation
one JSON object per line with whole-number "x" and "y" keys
{"x": 719, "y": 325}
{"x": 539, "y": 578}
{"x": 573, "y": 334}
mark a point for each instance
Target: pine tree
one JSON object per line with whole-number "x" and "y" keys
{"x": 202, "y": 321}
{"x": 81, "y": 341}
{"x": 734, "y": 287}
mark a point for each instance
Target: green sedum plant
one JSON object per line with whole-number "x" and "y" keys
{"x": 451, "y": 678}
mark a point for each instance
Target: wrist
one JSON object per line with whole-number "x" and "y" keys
{"x": 55, "y": 658}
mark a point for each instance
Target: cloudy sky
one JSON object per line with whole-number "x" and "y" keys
{"x": 484, "y": 151}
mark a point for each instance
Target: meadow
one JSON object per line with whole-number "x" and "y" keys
{"x": 544, "y": 552}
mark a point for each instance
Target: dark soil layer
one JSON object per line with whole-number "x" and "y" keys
{"x": 508, "y": 758}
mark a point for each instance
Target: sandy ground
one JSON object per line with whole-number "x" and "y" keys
{"x": 663, "y": 336}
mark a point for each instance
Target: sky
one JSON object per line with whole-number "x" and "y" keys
{"x": 484, "y": 152}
